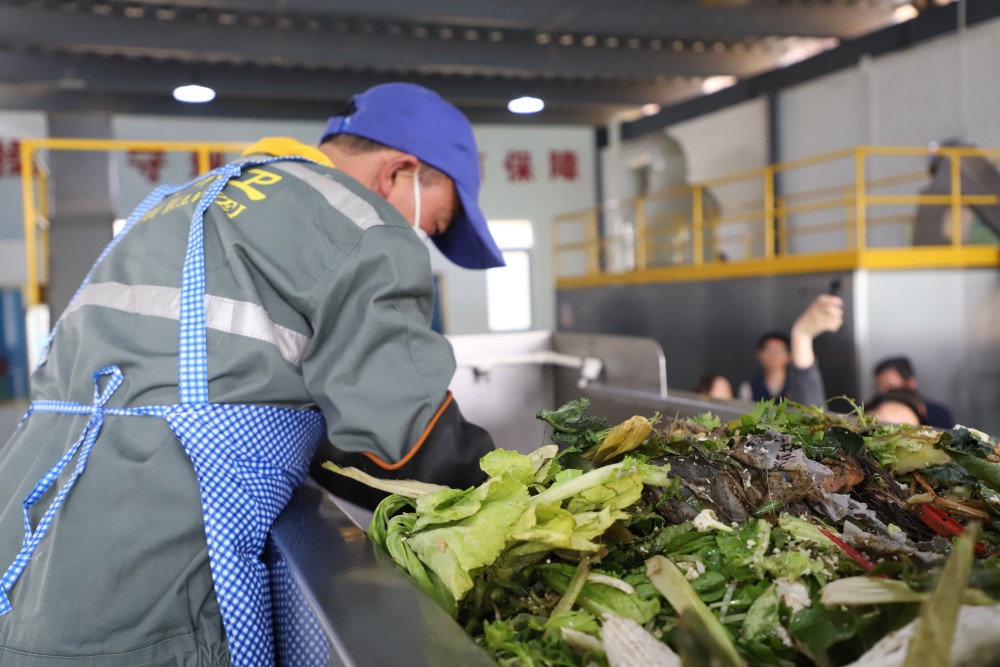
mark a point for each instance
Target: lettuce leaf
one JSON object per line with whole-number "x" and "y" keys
{"x": 762, "y": 618}
{"x": 598, "y": 598}
{"x": 454, "y": 550}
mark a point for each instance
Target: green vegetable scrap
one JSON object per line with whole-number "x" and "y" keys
{"x": 674, "y": 586}
{"x": 932, "y": 642}
{"x": 785, "y": 538}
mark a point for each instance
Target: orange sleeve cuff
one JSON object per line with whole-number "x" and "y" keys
{"x": 420, "y": 443}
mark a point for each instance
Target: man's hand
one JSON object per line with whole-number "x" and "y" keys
{"x": 825, "y": 313}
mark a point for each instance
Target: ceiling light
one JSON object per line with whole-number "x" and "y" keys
{"x": 193, "y": 93}
{"x": 804, "y": 49}
{"x": 525, "y": 104}
{"x": 714, "y": 84}
{"x": 650, "y": 109}
{"x": 905, "y": 13}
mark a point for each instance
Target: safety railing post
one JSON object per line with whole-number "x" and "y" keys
{"x": 850, "y": 229}
{"x": 204, "y": 162}
{"x": 641, "y": 246}
{"x": 697, "y": 224}
{"x": 769, "y": 212}
{"x": 956, "y": 200}
{"x": 860, "y": 201}
{"x": 33, "y": 294}
{"x": 45, "y": 265}
{"x": 782, "y": 214}
{"x": 593, "y": 244}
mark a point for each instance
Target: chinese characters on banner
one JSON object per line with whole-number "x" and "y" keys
{"x": 215, "y": 160}
{"x": 150, "y": 164}
{"x": 518, "y": 164}
{"x": 563, "y": 165}
{"x": 10, "y": 158}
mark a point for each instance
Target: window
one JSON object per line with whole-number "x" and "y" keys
{"x": 508, "y": 289}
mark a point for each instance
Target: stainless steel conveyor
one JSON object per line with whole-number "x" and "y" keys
{"x": 371, "y": 613}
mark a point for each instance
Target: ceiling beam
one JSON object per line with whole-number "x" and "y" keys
{"x": 39, "y": 98}
{"x": 53, "y": 28}
{"x": 929, "y": 25}
{"x": 59, "y": 71}
{"x": 671, "y": 19}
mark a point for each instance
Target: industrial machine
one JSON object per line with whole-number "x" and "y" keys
{"x": 977, "y": 176}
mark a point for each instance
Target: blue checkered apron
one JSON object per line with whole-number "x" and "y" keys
{"x": 247, "y": 459}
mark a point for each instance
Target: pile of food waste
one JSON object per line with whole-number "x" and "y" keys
{"x": 786, "y": 537}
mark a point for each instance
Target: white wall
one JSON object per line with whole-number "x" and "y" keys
{"x": 729, "y": 141}
{"x": 717, "y": 144}
{"x": 724, "y": 142}
{"x": 906, "y": 98}
{"x": 14, "y": 126}
{"x": 538, "y": 200}
{"x": 463, "y": 291}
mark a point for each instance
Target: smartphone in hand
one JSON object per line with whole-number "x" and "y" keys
{"x": 835, "y": 286}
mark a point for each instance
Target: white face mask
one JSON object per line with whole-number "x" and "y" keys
{"x": 416, "y": 204}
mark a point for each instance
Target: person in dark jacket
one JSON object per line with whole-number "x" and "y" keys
{"x": 773, "y": 354}
{"x": 788, "y": 363}
{"x": 899, "y": 406}
{"x": 897, "y": 373}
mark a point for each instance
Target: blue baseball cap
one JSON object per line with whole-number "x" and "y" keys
{"x": 415, "y": 120}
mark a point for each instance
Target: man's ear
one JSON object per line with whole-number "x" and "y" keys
{"x": 911, "y": 384}
{"x": 392, "y": 169}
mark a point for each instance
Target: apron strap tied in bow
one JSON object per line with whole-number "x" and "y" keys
{"x": 83, "y": 445}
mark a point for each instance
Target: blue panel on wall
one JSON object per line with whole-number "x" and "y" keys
{"x": 436, "y": 323}
{"x": 13, "y": 346}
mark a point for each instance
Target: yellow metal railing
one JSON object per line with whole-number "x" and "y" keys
{"x": 35, "y": 195}
{"x": 759, "y": 222}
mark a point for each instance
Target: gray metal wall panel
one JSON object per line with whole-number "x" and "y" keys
{"x": 835, "y": 353}
{"x": 980, "y": 374}
{"x": 712, "y": 326}
{"x": 947, "y": 321}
